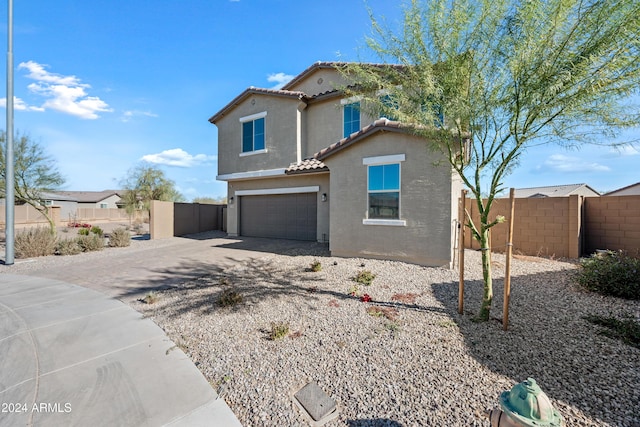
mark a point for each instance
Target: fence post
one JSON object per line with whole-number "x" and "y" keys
{"x": 507, "y": 273}
{"x": 461, "y": 217}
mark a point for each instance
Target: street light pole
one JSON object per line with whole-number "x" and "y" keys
{"x": 9, "y": 172}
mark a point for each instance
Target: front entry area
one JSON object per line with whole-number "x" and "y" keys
{"x": 281, "y": 216}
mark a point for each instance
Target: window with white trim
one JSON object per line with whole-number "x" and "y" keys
{"x": 383, "y": 190}
{"x": 253, "y": 133}
{"x": 351, "y": 118}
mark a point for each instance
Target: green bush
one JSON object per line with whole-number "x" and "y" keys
{"x": 316, "y": 266}
{"x": 365, "y": 277}
{"x": 119, "y": 238}
{"x": 611, "y": 273}
{"x": 68, "y": 247}
{"x": 83, "y": 231}
{"x": 35, "y": 242}
{"x": 97, "y": 231}
{"x": 91, "y": 243}
{"x": 278, "y": 330}
{"x": 229, "y": 298}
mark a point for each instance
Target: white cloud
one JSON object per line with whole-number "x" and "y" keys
{"x": 129, "y": 115}
{"x": 65, "y": 94}
{"x": 20, "y": 105}
{"x": 280, "y": 79}
{"x": 567, "y": 164}
{"x": 177, "y": 157}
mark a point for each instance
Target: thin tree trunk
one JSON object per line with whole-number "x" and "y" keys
{"x": 487, "y": 296}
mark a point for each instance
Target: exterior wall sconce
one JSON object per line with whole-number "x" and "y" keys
{"x": 323, "y": 197}
{"x": 231, "y": 200}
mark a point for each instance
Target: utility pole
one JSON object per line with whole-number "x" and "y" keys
{"x": 9, "y": 228}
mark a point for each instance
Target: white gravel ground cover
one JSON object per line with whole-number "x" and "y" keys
{"x": 411, "y": 361}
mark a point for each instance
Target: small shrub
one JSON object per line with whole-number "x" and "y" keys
{"x": 119, "y": 238}
{"x": 627, "y": 330}
{"x": 278, "y": 330}
{"x": 611, "y": 273}
{"x": 97, "y": 231}
{"x": 68, "y": 247}
{"x": 316, "y": 266}
{"x": 365, "y": 298}
{"x": 407, "y": 298}
{"x": 91, "y": 243}
{"x": 83, "y": 232}
{"x": 229, "y": 298}
{"x": 150, "y": 298}
{"x": 389, "y": 313}
{"x": 35, "y": 242}
{"x": 365, "y": 277}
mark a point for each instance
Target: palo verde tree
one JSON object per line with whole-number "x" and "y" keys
{"x": 482, "y": 80}
{"x": 145, "y": 183}
{"x": 35, "y": 174}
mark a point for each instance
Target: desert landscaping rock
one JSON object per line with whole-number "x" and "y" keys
{"x": 412, "y": 359}
{"x": 424, "y": 365}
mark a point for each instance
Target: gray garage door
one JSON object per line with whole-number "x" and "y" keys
{"x": 280, "y": 216}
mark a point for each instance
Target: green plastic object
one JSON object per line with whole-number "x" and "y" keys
{"x": 527, "y": 404}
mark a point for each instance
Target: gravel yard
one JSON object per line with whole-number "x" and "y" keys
{"x": 405, "y": 358}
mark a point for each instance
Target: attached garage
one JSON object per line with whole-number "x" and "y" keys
{"x": 281, "y": 216}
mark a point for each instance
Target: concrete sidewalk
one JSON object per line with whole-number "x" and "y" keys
{"x": 73, "y": 357}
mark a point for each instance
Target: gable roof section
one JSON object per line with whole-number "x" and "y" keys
{"x": 380, "y": 125}
{"x": 253, "y": 91}
{"x": 554, "y": 191}
{"x": 310, "y": 70}
{"x": 330, "y": 65}
{"x": 626, "y": 189}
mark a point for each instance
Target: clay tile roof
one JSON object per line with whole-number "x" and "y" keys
{"x": 377, "y": 126}
{"x": 306, "y": 166}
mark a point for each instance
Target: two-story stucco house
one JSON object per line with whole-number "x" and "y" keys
{"x": 303, "y": 162}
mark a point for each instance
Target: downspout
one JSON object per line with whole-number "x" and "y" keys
{"x": 302, "y": 105}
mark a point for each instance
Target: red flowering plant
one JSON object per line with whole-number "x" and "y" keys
{"x": 365, "y": 298}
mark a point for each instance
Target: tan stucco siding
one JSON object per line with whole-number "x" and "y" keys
{"x": 321, "y": 81}
{"x": 309, "y": 180}
{"x": 425, "y": 203}
{"x": 280, "y": 135}
{"x": 323, "y": 125}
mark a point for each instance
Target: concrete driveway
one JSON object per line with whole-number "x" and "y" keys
{"x": 131, "y": 274}
{"x": 72, "y": 354}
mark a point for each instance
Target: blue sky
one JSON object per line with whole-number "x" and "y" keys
{"x": 103, "y": 85}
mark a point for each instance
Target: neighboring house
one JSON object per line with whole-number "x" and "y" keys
{"x": 107, "y": 199}
{"x": 556, "y": 191}
{"x": 68, "y": 204}
{"x": 303, "y": 162}
{"x": 629, "y": 190}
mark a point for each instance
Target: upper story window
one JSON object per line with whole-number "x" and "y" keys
{"x": 351, "y": 117}
{"x": 390, "y": 107}
{"x": 253, "y": 133}
{"x": 103, "y": 206}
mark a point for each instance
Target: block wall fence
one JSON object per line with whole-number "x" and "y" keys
{"x": 566, "y": 227}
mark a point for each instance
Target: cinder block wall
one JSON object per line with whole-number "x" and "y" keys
{"x": 613, "y": 222}
{"x": 565, "y": 226}
{"x": 544, "y": 227}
